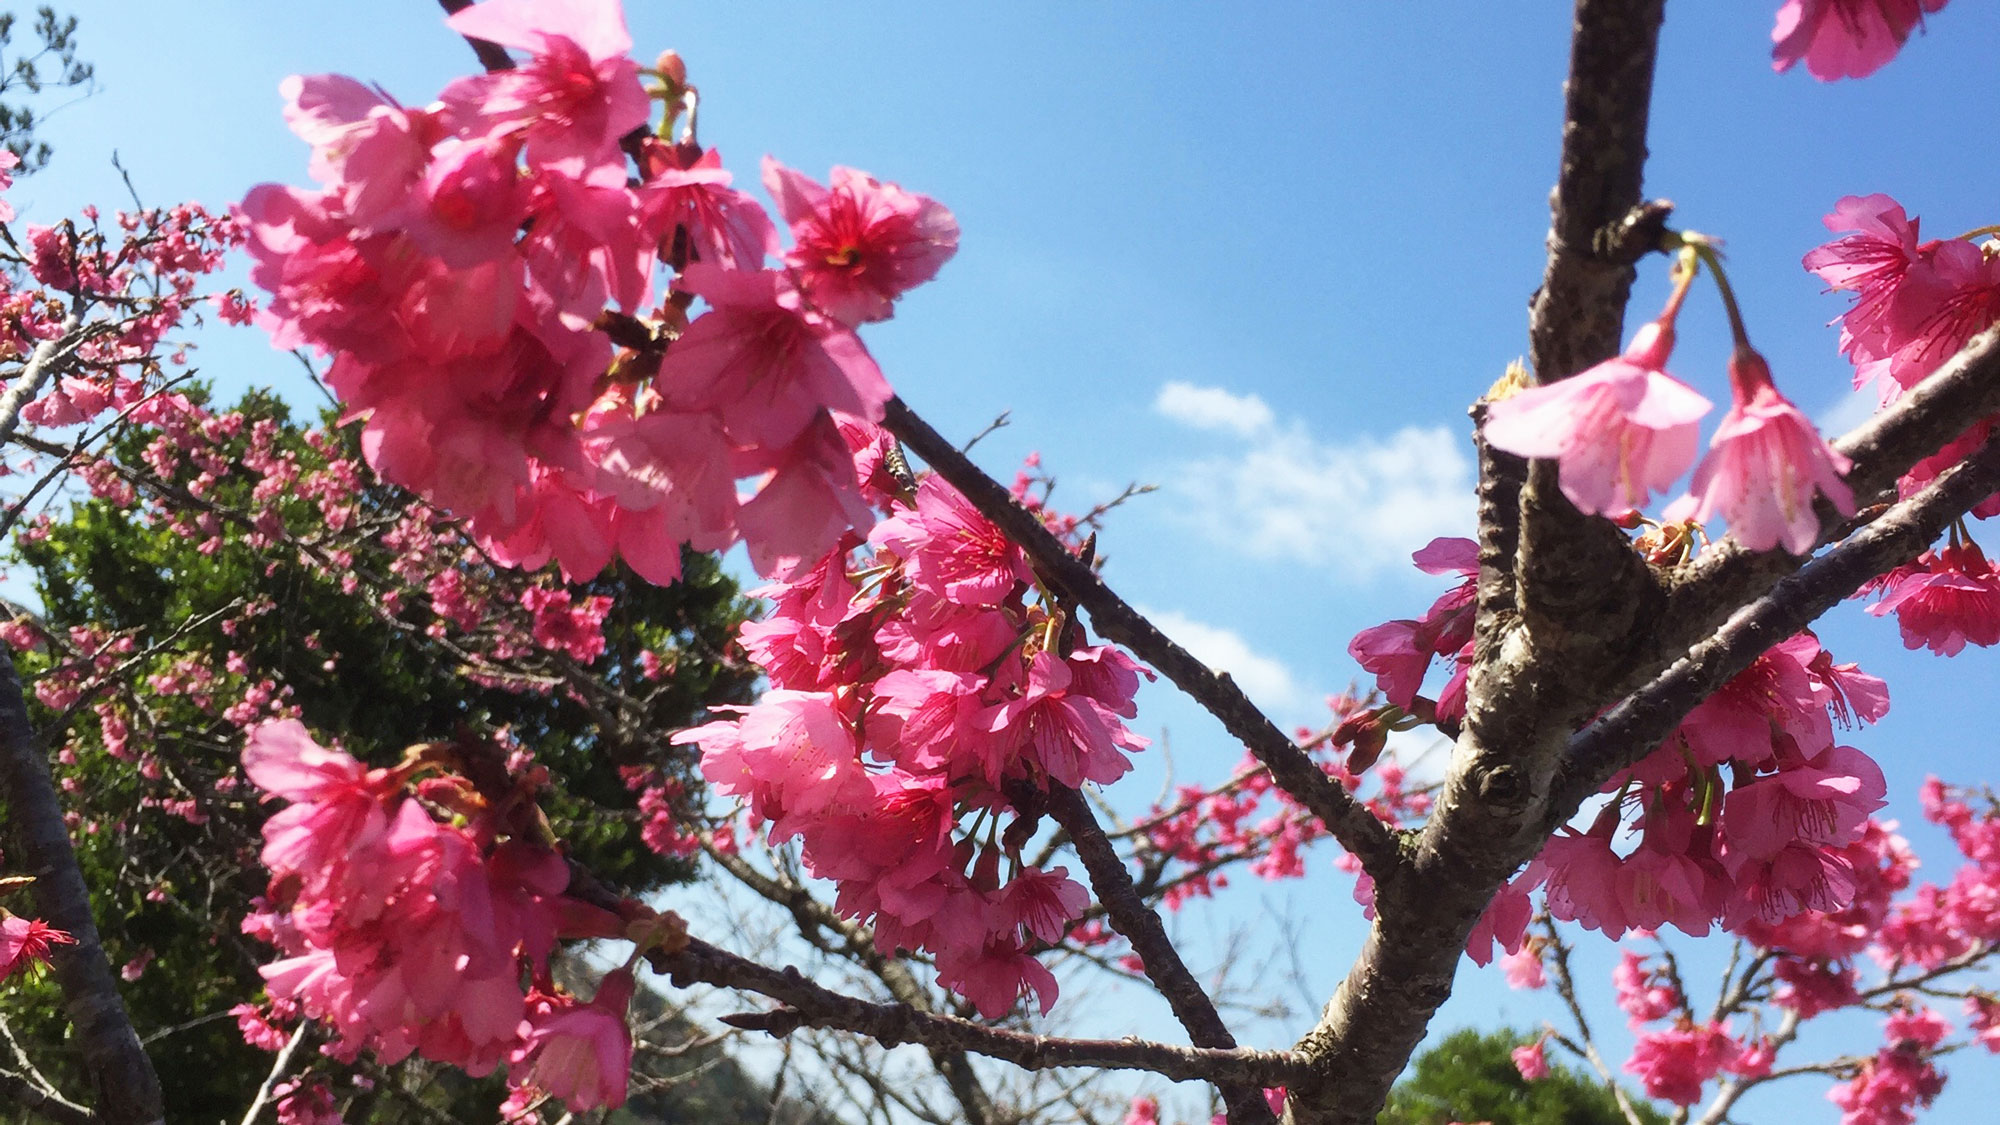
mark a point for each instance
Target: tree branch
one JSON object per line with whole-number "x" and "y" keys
{"x": 128, "y": 1092}
{"x": 805, "y": 1004}
{"x": 23, "y": 387}
{"x": 1638, "y": 723}
{"x": 1943, "y": 406}
{"x": 1524, "y": 696}
{"x": 26, "y": 1095}
{"x": 1141, "y": 926}
{"x": 952, "y": 1065}
{"x": 1357, "y": 829}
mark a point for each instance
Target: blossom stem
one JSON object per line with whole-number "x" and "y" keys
{"x": 1705, "y": 251}
{"x": 1975, "y": 232}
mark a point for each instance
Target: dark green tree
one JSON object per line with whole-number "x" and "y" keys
{"x": 27, "y": 73}
{"x": 1470, "y": 1077}
{"x": 265, "y": 566}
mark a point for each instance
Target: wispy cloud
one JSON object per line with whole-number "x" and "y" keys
{"x": 1357, "y": 505}
{"x": 1265, "y": 680}
{"x": 1212, "y": 408}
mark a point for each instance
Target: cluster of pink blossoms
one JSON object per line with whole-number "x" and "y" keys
{"x": 1626, "y": 429}
{"x": 482, "y": 270}
{"x": 1810, "y": 965}
{"x": 1915, "y": 303}
{"x": 406, "y": 933}
{"x": 925, "y": 695}
{"x": 1744, "y": 815}
{"x": 111, "y": 297}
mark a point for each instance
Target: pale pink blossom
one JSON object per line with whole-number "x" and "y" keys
{"x": 582, "y": 1053}
{"x": 1620, "y": 431}
{"x": 1765, "y": 464}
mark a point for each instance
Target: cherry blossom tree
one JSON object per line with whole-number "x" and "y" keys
{"x": 552, "y": 316}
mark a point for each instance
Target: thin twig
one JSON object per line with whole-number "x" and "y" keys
{"x": 278, "y": 1067}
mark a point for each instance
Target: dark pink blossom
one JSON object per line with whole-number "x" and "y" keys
{"x": 764, "y": 362}
{"x": 859, "y": 244}
{"x": 1948, "y": 598}
{"x": 1844, "y": 38}
{"x": 577, "y": 94}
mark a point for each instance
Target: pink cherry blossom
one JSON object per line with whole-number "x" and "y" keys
{"x": 1822, "y": 800}
{"x": 859, "y": 244}
{"x": 581, "y": 1053}
{"x": 1873, "y": 263}
{"x": 1948, "y": 598}
{"x": 721, "y": 226}
{"x": 576, "y": 96}
{"x": 1844, "y": 38}
{"x": 1674, "y": 1063}
{"x": 1529, "y": 1060}
{"x": 26, "y": 942}
{"x": 1765, "y": 465}
{"x": 764, "y": 362}
{"x": 1950, "y": 295}
{"x": 1620, "y": 431}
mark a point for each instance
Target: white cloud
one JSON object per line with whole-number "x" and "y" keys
{"x": 1357, "y": 506}
{"x": 1263, "y": 679}
{"x": 1212, "y": 408}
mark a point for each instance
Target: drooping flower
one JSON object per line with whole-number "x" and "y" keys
{"x": 1844, "y": 38}
{"x": 1620, "y": 431}
{"x": 1674, "y": 1063}
{"x": 1530, "y": 1061}
{"x": 1824, "y": 799}
{"x": 1765, "y": 464}
{"x": 582, "y": 1053}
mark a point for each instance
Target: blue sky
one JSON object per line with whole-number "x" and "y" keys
{"x": 1261, "y": 255}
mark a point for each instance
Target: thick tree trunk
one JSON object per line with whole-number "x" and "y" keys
{"x": 128, "y": 1092}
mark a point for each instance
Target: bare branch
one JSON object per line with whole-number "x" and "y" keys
{"x": 28, "y": 1096}
{"x": 278, "y": 1067}
{"x": 1131, "y": 917}
{"x": 805, "y": 1004}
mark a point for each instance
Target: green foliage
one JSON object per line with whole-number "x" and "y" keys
{"x": 51, "y": 65}
{"x": 213, "y": 608}
{"x": 1470, "y": 1077}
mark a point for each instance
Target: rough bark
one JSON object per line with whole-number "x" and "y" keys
{"x": 128, "y": 1092}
